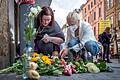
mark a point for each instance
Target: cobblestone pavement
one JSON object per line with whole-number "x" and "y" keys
{"x": 83, "y": 76}
{"x": 88, "y": 76}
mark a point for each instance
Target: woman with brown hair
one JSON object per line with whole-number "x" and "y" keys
{"x": 49, "y": 35}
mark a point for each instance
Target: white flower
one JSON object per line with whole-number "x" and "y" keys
{"x": 33, "y": 10}
{"x": 90, "y": 64}
{"x": 39, "y": 8}
{"x": 92, "y": 68}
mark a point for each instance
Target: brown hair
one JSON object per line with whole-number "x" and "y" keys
{"x": 107, "y": 29}
{"x": 45, "y": 11}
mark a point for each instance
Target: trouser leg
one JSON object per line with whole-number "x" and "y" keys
{"x": 92, "y": 47}
{"x": 105, "y": 51}
{"x": 108, "y": 53}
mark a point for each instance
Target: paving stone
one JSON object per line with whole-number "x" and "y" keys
{"x": 11, "y": 76}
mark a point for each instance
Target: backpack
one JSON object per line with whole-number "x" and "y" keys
{"x": 100, "y": 38}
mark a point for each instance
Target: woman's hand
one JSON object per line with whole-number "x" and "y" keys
{"x": 46, "y": 38}
{"x": 63, "y": 53}
{"x": 55, "y": 40}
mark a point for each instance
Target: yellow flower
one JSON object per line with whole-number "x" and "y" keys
{"x": 46, "y": 60}
{"x": 35, "y": 54}
{"x": 34, "y": 59}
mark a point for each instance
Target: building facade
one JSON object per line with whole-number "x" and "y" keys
{"x": 113, "y": 13}
{"x": 93, "y": 12}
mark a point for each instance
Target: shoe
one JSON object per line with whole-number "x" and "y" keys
{"x": 109, "y": 69}
{"x": 109, "y": 62}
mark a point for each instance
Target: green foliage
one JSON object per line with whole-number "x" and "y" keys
{"x": 80, "y": 66}
{"x": 56, "y": 68}
{"x": 15, "y": 68}
{"x": 29, "y": 31}
{"x": 101, "y": 65}
{"x": 50, "y": 69}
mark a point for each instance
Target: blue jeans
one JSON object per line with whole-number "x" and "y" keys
{"x": 92, "y": 47}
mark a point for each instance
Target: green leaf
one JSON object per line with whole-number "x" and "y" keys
{"x": 101, "y": 65}
{"x": 57, "y": 72}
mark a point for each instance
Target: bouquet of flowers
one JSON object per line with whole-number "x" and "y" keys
{"x": 29, "y": 29}
{"x": 40, "y": 64}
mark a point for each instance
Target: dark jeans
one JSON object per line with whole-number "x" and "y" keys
{"x": 106, "y": 51}
{"x": 46, "y": 48}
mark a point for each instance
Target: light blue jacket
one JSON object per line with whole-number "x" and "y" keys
{"x": 85, "y": 34}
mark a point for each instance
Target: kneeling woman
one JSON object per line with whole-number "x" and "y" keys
{"x": 49, "y": 35}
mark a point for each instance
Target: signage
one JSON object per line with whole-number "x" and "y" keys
{"x": 103, "y": 24}
{"x": 25, "y": 1}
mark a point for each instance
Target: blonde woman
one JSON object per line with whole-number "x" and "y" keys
{"x": 85, "y": 34}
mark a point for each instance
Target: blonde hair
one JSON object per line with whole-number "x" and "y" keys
{"x": 74, "y": 16}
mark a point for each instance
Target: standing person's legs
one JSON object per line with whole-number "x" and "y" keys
{"x": 105, "y": 51}
{"x": 92, "y": 47}
{"x": 108, "y": 53}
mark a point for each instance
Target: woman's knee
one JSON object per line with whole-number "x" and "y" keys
{"x": 89, "y": 44}
{"x": 92, "y": 47}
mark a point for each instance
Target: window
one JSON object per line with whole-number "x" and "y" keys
{"x": 94, "y": 2}
{"x": 119, "y": 19}
{"x": 85, "y": 10}
{"x": 95, "y": 31}
{"x": 94, "y": 15}
{"x": 99, "y": 12}
{"x": 88, "y": 19}
{"x": 110, "y": 3}
{"x": 111, "y": 21}
{"x": 98, "y": 28}
{"x": 119, "y": 16}
{"x": 91, "y": 4}
{"x": 88, "y": 7}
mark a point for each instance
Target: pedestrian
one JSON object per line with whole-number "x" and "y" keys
{"x": 106, "y": 43}
{"x": 49, "y": 35}
{"x": 81, "y": 30}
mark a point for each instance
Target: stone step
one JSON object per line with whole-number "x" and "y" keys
{"x": 10, "y": 76}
